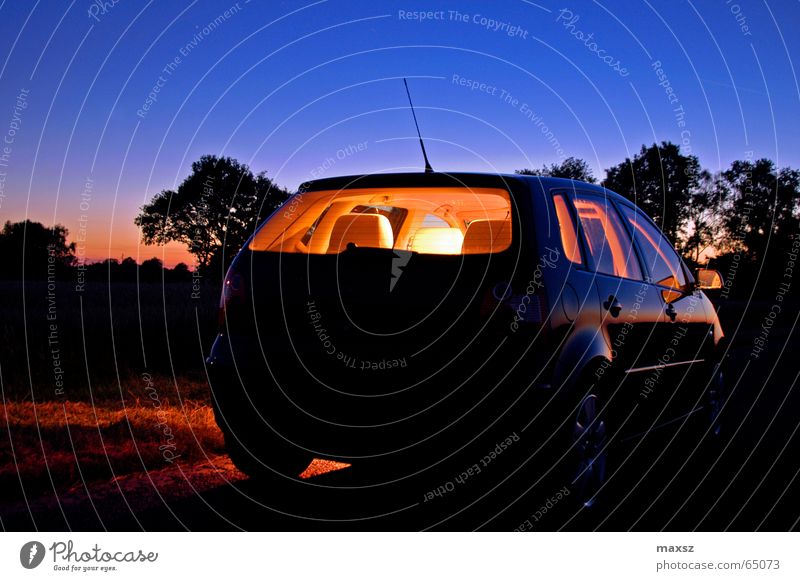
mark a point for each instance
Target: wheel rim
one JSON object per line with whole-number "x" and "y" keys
{"x": 589, "y": 440}
{"x": 716, "y": 399}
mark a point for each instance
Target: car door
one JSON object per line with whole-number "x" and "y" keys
{"x": 683, "y": 331}
{"x": 631, "y": 306}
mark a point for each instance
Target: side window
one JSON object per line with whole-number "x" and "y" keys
{"x": 607, "y": 239}
{"x": 566, "y": 226}
{"x": 661, "y": 259}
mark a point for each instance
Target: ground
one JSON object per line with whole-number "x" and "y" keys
{"x": 156, "y": 461}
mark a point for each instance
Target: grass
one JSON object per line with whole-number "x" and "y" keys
{"x": 114, "y": 348}
{"x": 53, "y": 446}
{"x": 135, "y": 398}
{"x": 103, "y": 336}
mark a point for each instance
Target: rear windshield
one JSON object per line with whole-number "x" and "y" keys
{"x": 423, "y": 220}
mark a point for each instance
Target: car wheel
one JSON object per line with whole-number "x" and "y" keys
{"x": 269, "y": 458}
{"x": 588, "y": 450}
{"x": 715, "y": 398}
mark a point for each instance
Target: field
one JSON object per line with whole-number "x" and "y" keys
{"x": 54, "y": 446}
{"x": 106, "y": 416}
{"x": 100, "y": 384}
{"x": 63, "y": 344}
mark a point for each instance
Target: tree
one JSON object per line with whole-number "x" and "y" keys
{"x": 32, "y": 249}
{"x": 661, "y": 181}
{"x": 572, "y": 168}
{"x": 180, "y": 273}
{"x": 125, "y": 271}
{"x": 214, "y": 210}
{"x": 151, "y": 270}
{"x": 763, "y": 208}
{"x": 703, "y": 226}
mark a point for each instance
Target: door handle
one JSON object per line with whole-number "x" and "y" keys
{"x": 612, "y": 306}
{"x": 671, "y": 312}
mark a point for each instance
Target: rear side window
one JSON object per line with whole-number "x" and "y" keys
{"x": 566, "y": 226}
{"x": 607, "y": 240}
{"x": 660, "y": 258}
{"x": 423, "y": 220}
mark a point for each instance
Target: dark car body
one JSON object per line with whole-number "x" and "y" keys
{"x": 367, "y": 353}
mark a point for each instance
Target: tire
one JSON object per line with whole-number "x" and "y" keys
{"x": 253, "y": 446}
{"x": 586, "y": 457}
{"x": 268, "y": 458}
{"x": 716, "y": 395}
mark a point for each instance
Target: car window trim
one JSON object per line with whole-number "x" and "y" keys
{"x": 582, "y": 192}
{"x": 686, "y": 289}
{"x": 574, "y": 215}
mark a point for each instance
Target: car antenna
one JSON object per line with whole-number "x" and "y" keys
{"x": 428, "y": 168}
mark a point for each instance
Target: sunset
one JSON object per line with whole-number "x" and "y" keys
{"x": 370, "y": 267}
{"x": 107, "y": 107}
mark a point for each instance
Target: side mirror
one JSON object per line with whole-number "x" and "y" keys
{"x": 708, "y": 279}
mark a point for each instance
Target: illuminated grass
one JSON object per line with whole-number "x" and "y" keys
{"x": 319, "y": 467}
{"x": 71, "y": 442}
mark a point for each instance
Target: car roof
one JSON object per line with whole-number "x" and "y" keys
{"x": 550, "y": 183}
{"x": 442, "y": 179}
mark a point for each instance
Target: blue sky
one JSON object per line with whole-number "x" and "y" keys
{"x": 304, "y": 89}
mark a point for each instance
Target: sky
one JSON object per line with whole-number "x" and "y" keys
{"x": 105, "y": 104}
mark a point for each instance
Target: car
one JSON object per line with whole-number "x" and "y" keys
{"x": 408, "y": 315}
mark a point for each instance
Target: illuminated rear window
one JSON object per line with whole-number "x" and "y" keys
{"x": 569, "y": 236}
{"x": 423, "y": 220}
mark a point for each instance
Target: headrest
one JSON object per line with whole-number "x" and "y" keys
{"x": 487, "y": 236}
{"x": 437, "y": 241}
{"x": 363, "y": 230}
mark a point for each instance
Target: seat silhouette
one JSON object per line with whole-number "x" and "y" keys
{"x": 363, "y": 230}
{"x": 487, "y": 236}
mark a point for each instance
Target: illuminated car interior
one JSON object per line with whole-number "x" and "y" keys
{"x": 443, "y": 221}
{"x": 569, "y": 236}
{"x": 607, "y": 241}
{"x": 656, "y": 253}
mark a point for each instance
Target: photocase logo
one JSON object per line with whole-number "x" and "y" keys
{"x": 31, "y": 554}
{"x": 399, "y": 262}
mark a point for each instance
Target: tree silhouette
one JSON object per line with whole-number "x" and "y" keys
{"x": 661, "y": 181}
{"x": 32, "y": 251}
{"x": 219, "y": 205}
{"x": 572, "y": 168}
{"x": 703, "y": 228}
{"x": 762, "y": 207}
{"x": 180, "y": 273}
{"x": 214, "y": 210}
{"x": 151, "y": 270}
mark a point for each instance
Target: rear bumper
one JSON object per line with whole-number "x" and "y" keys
{"x": 337, "y": 416}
